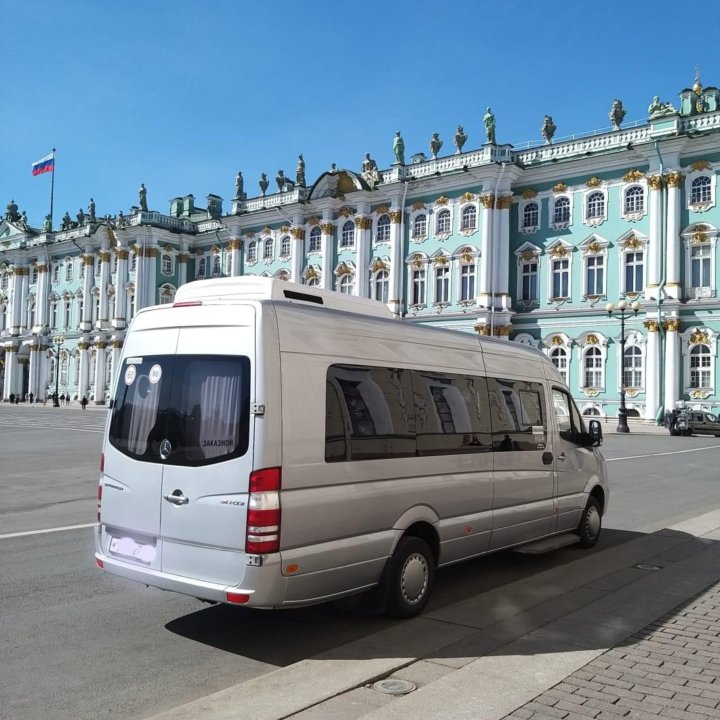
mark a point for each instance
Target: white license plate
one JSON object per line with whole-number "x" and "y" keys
{"x": 127, "y": 547}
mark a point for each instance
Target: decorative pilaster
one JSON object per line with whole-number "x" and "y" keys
{"x": 11, "y": 371}
{"x": 234, "y": 247}
{"x": 652, "y": 369}
{"x": 655, "y": 183}
{"x": 297, "y": 253}
{"x": 145, "y": 278}
{"x": 87, "y": 306}
{"x": 41, "y": 300}
{"x": 119, "y": 322}
{"x": 326, "y": 245}
{"x": 363, "y": 226}
{"x": 104, "y": 258}
{"x": 24, "y": 287}
{"x": 672, "y": 362}
{"x": 116, "y": 350}
{"x": 99, "y": 386}
{"x": 16, "y": 300}
{"x": 484, "y": 283}
{"x": 34, "y": 374}
{"x": 672, "y": 285}
{"x": 395, "y": 289}
{"x": 84, "y": 369}
{"x": 501, "y": 258}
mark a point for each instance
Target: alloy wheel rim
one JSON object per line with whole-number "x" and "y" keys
{"x": 414, "y": 579}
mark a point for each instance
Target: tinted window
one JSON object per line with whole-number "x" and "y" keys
{"x": 517, "y": 409}
{"x": 451, "y": 413}
{"x": 568, "y": 418}
{"x": 369, "y": 413}
{"x": 200, "y": 404}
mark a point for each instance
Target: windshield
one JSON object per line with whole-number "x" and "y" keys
{"x": 196, "y": 406}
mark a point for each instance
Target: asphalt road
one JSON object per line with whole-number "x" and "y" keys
{"x": 78, "y": 643}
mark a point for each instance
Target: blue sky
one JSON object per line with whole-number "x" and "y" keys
{"x": 182, "y": 95}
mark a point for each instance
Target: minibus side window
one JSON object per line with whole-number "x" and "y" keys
{"x": 452, "y": 413}
{"x": 517, "y": 409}
{"x": 369, "y": 413}
{"x": 569, "y": 421}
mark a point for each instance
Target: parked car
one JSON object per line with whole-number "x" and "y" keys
{"x": 694, "y": 422}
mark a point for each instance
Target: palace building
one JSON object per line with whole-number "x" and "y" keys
{"x": 527, "y": 244}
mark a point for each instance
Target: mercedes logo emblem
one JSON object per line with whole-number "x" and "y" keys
{"x": 165, "y": 449}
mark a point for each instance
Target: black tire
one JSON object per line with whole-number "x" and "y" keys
{"x": 673, "y": 432}
{"x": 590, "y": 524}
{"x": 408, "y": 578}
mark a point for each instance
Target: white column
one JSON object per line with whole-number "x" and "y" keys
{"x": 672, "y": 362}
{"x": 34, "y": 374}
{"x": 297, "y": 254}
{"x": 104, "y": 320}
{"x": 363, "y": 227}
{"x": 116, "y": 350}
{"x": 328, "y": 254}
{"x": 145, "y": 284}
{"x": 395, "y": 289}
{"x": 654, "y": 244}
{"x": 11, "y": 371}
{"x": 16, "y": 304}
{"x": 83, "y": 380}
{"x": 121, "y": 277}
{"x": 43, "y": 291}
{"x": 672, "y": 286}
{"x": 24, "y": 287}
{"x": 501, "y": 259}
{"x": 652, "y": 369}
{"x": 99, "y": 384}
{"x": 87, "y": 307}
{"x": 235, "y": 248}
{"x": 484, "y": 275}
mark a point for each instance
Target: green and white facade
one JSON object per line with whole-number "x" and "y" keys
{"x": 528, "y": 245}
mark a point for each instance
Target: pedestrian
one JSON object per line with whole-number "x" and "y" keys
{"x": 12, "y": 398}
{"x": 17, "y": 399}
{"x": 67, "y": 399}
{"x": 45, "y": 399}
{"x": 83, "y": 402}
{"x": 62, "y": 398}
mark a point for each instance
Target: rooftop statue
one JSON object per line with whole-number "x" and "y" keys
{"x": 399, "y": 149}
{"x": 616, "y": 114}
{"x": 239, "y": 187}
{"x": 285, "y": 184}
{"x": 12, "y": 212}
{"x": 460, "y": 139}
{"x": 548, "y": 129}
{"x": 263, "y": 183}
{"x": 489, "y": 120}
{"x": 369, "y": 171}
{"x": 66, "y": 221}
{"x": 91, "y": 212}
{"x": 435, "y": 144}
{"x": 660, "y": 109}
{"x": 47, "y": 225}
{"x": 142, "y": 197}
{"x": 300, "y": 172}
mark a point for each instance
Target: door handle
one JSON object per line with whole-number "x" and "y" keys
{"x": 547, "y": 457}
{"x": 562, "y": 457}
{"x": 177, "y": 498}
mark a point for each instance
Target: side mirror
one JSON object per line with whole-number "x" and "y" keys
{"x": 595, "y": 433}
{"x": 111, "y": 403}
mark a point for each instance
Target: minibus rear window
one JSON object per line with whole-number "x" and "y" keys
{"x": 197, "y": 407}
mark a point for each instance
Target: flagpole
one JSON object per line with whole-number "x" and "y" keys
{"x": 52, "y": 190}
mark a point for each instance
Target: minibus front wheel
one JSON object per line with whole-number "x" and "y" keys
{"x": 409, "y": 577}
{"x": 590, "y": 524}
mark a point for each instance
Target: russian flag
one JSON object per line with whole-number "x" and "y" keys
{"x": 47, "y": 164}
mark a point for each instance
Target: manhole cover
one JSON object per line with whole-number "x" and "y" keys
{"x": 395, "y": 687}
{"x": 647, "y": 566}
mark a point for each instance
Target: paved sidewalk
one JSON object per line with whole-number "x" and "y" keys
{"x": 631, "y": 631}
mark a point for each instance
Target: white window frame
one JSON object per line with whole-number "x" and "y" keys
{"x": 625, "y": 251}
{"x": 285, "y": 246}
{"x": 562, "y": 365}
{"x": 688, "y": 345}
{"x": 200, "y": 267}
{"x": 465, "y": 266}
{"x": 268, "y": 249}
{"x": 600, "y": 217}
{"x": 443, "y": 210}
{"x": 345, "y": 284}
{"x": 594, "y": 248}
{"x": 584, "y": 348}
{"x": 315, "y": 239}
{"x": 417, "y": 276}
{"x": 528, "y": 228}
{"x": 251, "y": 253}
{"x": 69, "y": 270}
{"x": 441, "y": 282}
{"x": 700, "y": 205}
{"x": 699, "y": 292}
{"x": 380, "y": 285}
{"x": 347, "y": 235}
{"x": 633, "y": 215}
{"x": 467, "y": 210}
{"x": 383, "y": 222}
{"x": 554, "y": 201}
{"x": 167, "y": 264}
{"x": 552, "y": 260}
{"x": 416, "y": 236}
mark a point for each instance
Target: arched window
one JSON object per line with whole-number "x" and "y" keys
{"x": 561, "y": 211}
{"x": 347, "y": 237}
{"x": 634, "y": 199}
{"x": 383, "y": 229}
{"x": 559, "y": 358}
{"x": 418, "y": 286}
{"x": 56, "y": 274}
{"x": 700, "y": 190}
{"x": 442, "y": 223}
{"x": 285, "y": 246}
{"x": 531, "y": 215}
{"x": 216, "y": 265}
{"x": 81, "y": 274}
{"x": 269, "y": 249}
{"x": 593, "y": 368}
{"x": 68, "y": 271}
{"x": 67, "y": 311}
{"x": 201, "y": 267}
{"x": 420, "y": 225}
{"x": 468, "y": 219}
{"x": 700, "y": 367}
{"x": 632, "y": 367}
{"x": 313, "y": 282}
{"x": 381, "y": 286}
{"x": 345, "y": 284}
{"x": 314, "y": 243}
{"x": 166, "y": 264}
{"x": 64, "y": 370}
{"x": 595, "y": 205}
{"x": 252, "y": 252}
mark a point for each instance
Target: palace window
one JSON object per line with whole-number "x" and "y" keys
{"x": 68, "y": 271}
{"x": 54, "y": 314}
{"x": 442, "y": 284}
{"x": 81, "y": 275}
{"x": 442, "y": 223}
{"x": 634, "y": 270}
{"x": 345, "y": 284}
{"x": 313, "y": 282}
{"x": 700, "y": 266}
{"x": 595, "y": 206}
{"x": 418, "y": 286}
{"x": 285, "y": 246}
{"x": 529, "y": 281}
{"x": 561, "y": 211}
{"x": 467, "y": 282}
{"x": 531, "y": 215}
{"x": 216, "y": 265}
{"x": 593, "y": 368}
{"x": 269, "y": 249}
{"x": 64, "y": 370}
{"x": 382, "y": 234}
{"x": 347, "y": 236}
{"x": 133, "y": 261}
{"x": 701, "y": 190}
{"x": 4, "y": 281}
{"x": 468, "y": 219}
{"x": 56, "y": 274}
{"x": 252, "y": 252}
{"x": 595, "y": 275}
{"x": 200, "y": 267}
{"x": 166, "y": 264}
{"x": 381, "y": 286}
{"x": 560, "y": 278}
{"x": 632, "y": 367}
{"x": 314, "y": 243}
{"x": 420, "y": 226}
{"x": 700, "y": 367}
{"x": 559, "y": 358}
{"x": 634, "y": 200}
{"x": 67, "y": 312}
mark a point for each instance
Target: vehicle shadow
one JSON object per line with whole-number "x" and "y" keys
{"x": 284, "y": 637}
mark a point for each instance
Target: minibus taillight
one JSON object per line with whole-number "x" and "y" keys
{"x": 262, "y": 534}
{"x": 99, "y": 499}
{"x": 187, "y": 303}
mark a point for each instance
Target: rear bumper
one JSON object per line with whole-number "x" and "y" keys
{"x": 265, "y": 585}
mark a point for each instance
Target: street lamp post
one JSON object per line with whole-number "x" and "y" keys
{"x": 624, "y": 311}
{"x": 58, "y": 340}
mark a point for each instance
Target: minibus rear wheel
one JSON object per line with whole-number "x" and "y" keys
{"x": 590, "y": 524}
{"x": 409, "y": 577}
